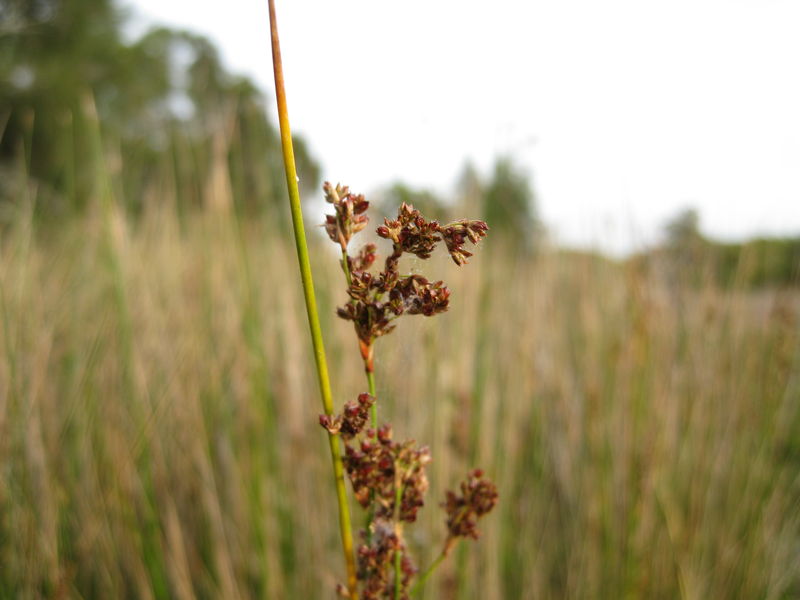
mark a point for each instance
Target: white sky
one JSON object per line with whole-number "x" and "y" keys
{"x": 623, "y": 111}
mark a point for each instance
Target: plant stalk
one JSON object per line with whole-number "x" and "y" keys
{"x": 374, "y": 421}
{"x": 373, "y": 411}
{"x": 420, "y": 583}
{"x": 366, "y": 353}
{"x": 345, "y": 526}
{"x": 398, "y": 555}
{"x": 346, "y": 268}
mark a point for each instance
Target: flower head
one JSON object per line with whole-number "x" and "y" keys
{"x": 456, "y": 235}
{"x": 349, "y": 217}
{"x": 410, "y": 232}
{"x": 352, "y": 420}
{"x": 478, "y": 496}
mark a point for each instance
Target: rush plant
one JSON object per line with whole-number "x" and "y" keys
{"x": 387, "y": 476}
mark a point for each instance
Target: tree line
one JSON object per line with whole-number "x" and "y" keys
{"x": 691, "y": 257}
{"x": 76, "y": 94}
{"x": 162, "y": 115}
{"x": 163, "y": 102}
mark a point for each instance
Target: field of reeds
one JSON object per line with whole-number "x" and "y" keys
{"x": 159, "y": 436}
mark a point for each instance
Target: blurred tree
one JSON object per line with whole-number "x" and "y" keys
{"x": 164, "y": 102}
{"x": 688, "y": 257}
{"x": 469, "y": 190}
{"x": 426, "y": 201}
{"x": 683, "y": 230}
{"x": 760, "y": 262}
{"x": 50, "y": 52}
{"x": 686, "y": 249}
{"x": 509, "y": 206}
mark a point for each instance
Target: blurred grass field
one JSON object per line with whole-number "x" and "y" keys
{"x": 159, "y": 436}
{"x": 159, "y": 431}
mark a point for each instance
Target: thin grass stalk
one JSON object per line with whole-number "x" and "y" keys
{"x": 422, "y": 579}
{"x": 373, "y": 417}
{"x": 368, "y": 367}
{"x": 398, "y": 555}
{"x": 310, "y": 300}
{"x": 346, "y": 268}
{"x": 373, "y": 411}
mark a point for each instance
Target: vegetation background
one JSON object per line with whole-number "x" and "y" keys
{"x": 158, "y": 432}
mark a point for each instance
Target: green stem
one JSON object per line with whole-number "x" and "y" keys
{"x": 346, "y": 268}
{"x": 374, "y": 418}
{"x": 398, "y": 555}
{"x": 373, "y": 411}
{"x": 367, "y": 367}
{"x": 345, "y": 527}
{"x": 420, "y": 584}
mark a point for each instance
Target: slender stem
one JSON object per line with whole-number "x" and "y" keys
{"x": 346, "y": 268}
{"x": 420, "y": 584}
{"x": 398, "y": 555}
{"x": 368, "y": 369}
{"x": 367, "y": 361}
{"x": 374, "y": 419}
{"x": 373, "y": 411}
{"x": 366, "y": 353}
{"x": 311, "y": 303}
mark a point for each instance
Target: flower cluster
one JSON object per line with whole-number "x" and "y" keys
{"x": 376, "y": 300}
{"x": 379, "y": 467}
{"x": 456, "y": 234}
{"x": 363, "y": 260}
{"x": 478, "y": 496}
{"x": 415, "y": 295}
{"x": 376, "y": 560}
{"x": 382, "y": 471}
{"x": 350, "y": 423}
{"x": 410, "y": 232}
{"x": 388, "y": 477}
{"x": 349, "y": 218}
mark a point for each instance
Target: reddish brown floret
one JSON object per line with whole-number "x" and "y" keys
{"x": 478, "y": 496}
{"x": 349, "y": 217}
{"x": 389, "y": 477}
{"x": 376, "y": 563}
{"x": 364, "y": 259}
{"x": 410, "y": 232}
{"x": 456, "y": 235}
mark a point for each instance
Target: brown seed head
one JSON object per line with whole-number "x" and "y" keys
{"x": 410, "y": 232}
{"x": 458, "y": 233}
{"x": 478, "y": 497}
{"x": 364, "y": 259}
{"x": 379, "y": 465}
{"x": 349, "y": 217}
{"x": 376, "y": 563}
{"x": 333, "y": 423}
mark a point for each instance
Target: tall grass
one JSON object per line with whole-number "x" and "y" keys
{"x": 158, "y": 432}
{"x": 310, "y": 301}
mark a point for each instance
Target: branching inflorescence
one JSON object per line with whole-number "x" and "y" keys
{"x": 388, "y": 477}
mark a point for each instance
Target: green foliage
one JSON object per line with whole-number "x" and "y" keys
{"x": 426, "y": 201}
{"x": 684, "y": 229}
{"x": 157, "y": 439}
{"x": 509, "y": 206}
{"x": 757, "y": 263}
{"x": 164, "y": 102}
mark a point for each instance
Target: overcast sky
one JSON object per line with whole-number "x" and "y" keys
{"x": 623, "y": 111}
